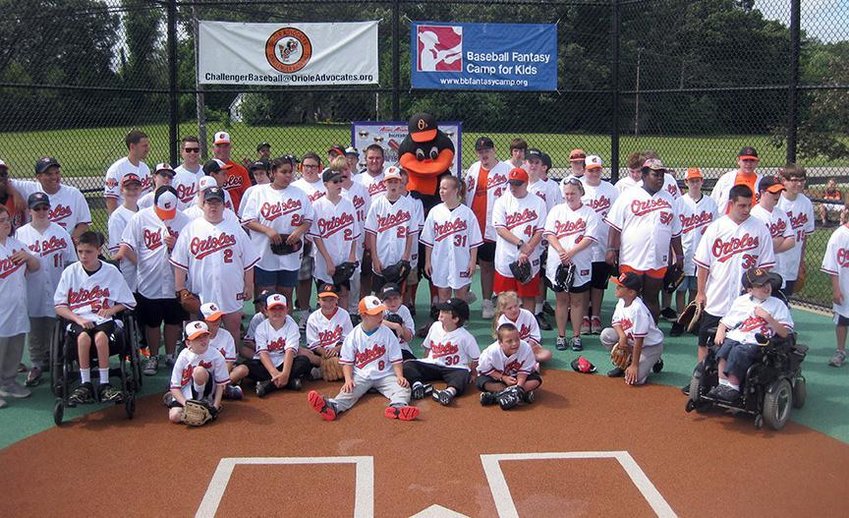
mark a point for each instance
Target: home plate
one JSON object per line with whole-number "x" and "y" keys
{"x": 437, "y": 511}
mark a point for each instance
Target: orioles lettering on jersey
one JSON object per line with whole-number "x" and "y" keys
{"x": 524, "y": 331}
{"x": 96, "y": 297}
{"x": 643, "y": 207}
{"x": 798, "y": 223}
{"x": 359, "y": 202}
{"x": 756, "y": 324}
{"x": 600, "y": 204}
{"x": 277, "y": 345}
{"x": 723, "y": 251}
{"x": 186, "y": 376}
{"x": 777, "y": 229}
{"x": 330, "y": 337}
{"x": 58, "y": 213}
{"x": 361, "y": 359}
{"x": 438, "y": 350}
{"x": 49, "y": 246}
{"x": 843, "y": 257}
{"x": 568, "y": 228}
{"x": 498, "y": 181}
{"x": 512, "y": 368}
{"x": 328, "y": 227}
{"x": 205, "y": 365}
{"x": 153, "y": 240}
{"x": 8, "y": 267}
{"x": 272, "y": 211}
{"x": 444, "y": 230}
{"x": 232, "y": 182}
{"x": 201, "y": 248}
{"x": 626, "y": 324}
{"x": 376, "y": 188}
{"x": 689, "y": 223}
{"x": 391, "y": 220}
{"x": 315, "y": 196}
{"x": 185, "y": 193}
{"x": 520, "y": 218}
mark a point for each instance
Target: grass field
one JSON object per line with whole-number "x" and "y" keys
{"x": 89, "y": 151}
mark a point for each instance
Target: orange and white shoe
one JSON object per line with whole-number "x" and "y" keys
{"x": 321, "y": 405}
{"x": 404, "y": 413}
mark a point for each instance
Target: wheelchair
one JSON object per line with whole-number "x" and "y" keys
{"x": 774, "y": 383}
{"x": 64, "y": 367}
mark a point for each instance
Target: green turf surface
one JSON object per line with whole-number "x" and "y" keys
{"x": 826, "y": 410}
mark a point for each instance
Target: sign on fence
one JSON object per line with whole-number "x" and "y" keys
{"x": 390, "y": 135}
{"x": 300, "y": 54}
{"x": 484, "y": 56}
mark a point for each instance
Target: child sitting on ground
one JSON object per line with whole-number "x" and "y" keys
{"x": 756, "y": 312}
{"x": 452, "y": 355}
{"x": 506, "y": 372}
{"x": 370, "y": 358}
{"x": 200, "y": 373}
{"x": 509, "y": 311}
{"x": 276, "y": 363}
{"x": 222, "y": 340}
{"x": 327, "y": 328}
{"x": 390, "y": 294}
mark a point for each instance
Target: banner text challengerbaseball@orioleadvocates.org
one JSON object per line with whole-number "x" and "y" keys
{"x": 288, "y": 78}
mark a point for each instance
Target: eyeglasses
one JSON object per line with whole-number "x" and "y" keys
{"x": 191, "y": 149}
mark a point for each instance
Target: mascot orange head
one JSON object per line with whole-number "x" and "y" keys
{"x": 425, "y": 154}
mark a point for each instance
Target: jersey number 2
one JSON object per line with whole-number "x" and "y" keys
{"x": 228, "y": 255}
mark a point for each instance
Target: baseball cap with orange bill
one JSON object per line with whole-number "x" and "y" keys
{"x": 277, "y": 300}
{"x": 694, "y": 173}
{"x": 214, "y": 166}
{"x": 422, "y": 127}
{"x": 196, "y": 329}
{"x": 164, "y": 168}
{"x": 577, "y": 155}
{"x": 517, "y": 176}
{"x": 222, "y": 137}
{"x": 336, "y": 150}
{"x": 130, "y": 178}
{"x": 371, "y": 305}
{"x": 772, "y": 184}
{"x": 327, "y": 290}
{"x": 593, "y": 162}
{"x": 748, "y": 153}
{"x": 629, "y": 280}
{"x": 165, "y": 202}
{"x": 211, "y": 312}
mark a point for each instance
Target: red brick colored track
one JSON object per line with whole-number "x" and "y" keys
{"x": 702, "y": 465}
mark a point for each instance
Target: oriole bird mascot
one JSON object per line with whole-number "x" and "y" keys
{"x": 426, "y": 154}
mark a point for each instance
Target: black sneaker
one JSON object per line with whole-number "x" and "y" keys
{"x": 547, "y": 309}
{"x": 543, "y": 323}
{"x": 686, "y": 389}
{"x": 264, "y": 387}
{"x": 669, "y": 314}
{"x": 109, "y": 393}
{"x": 443, "y": 396}
{"x": 616, "y": 372}
{"x": 658, "y": 366}
{"x": 488, "y": 398}
{"x": 677, "y": 329}
{"x": 82, "y": 395}
{"x": 295, "y": 384}
{"x": 561, "y": 344}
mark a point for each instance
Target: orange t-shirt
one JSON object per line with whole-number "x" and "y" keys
{"x": 747, "y": 179}
{"x": 479, "y": 199}
{"x": 238, "y": 181}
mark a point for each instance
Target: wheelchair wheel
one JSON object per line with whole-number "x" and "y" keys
{"x": 58, "y": 412}
{"x": 800, "y": 393}
{"x": 778, "y": 401}
{"x": 130, "y": 406}
{"x": 55, "y": 362}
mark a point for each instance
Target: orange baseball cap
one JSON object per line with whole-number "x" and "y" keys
{"x": 371, "y": 305}
{"x": 517, "y": 176}
{"x": 577, "y": 154}
{"x": 693, "y": 173}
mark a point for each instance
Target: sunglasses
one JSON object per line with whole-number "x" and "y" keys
{"x": 192, "y": 149}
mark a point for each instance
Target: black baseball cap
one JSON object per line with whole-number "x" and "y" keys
{"x": 213, "y": 193}
{"x": 264, "y": 294}
{"x": 484, "y": 143}
{"x": 459, "y": 306}
{"x": 44, "y": 163}
{"x": 214, "y": 166}
{"x": 629, "y": 280}
{"x": 756, "y": 276}
{"x": 328, "y": 175}
{"x": 422, "y": 127}
{"x": 336, "y": 150}
{"x": 37, "y": 198}
{"x": 771, "y": 183}
{"x": 259, "y": 164}
{"x": 388, "y": 289}
{"x": 539, "y": 155}
{"x": 748, "y": 153}
{"x": 262, "y": 145}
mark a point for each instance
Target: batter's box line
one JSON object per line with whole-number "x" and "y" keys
{"x": 363, "y": 492}
{"x": 506, "y": 508}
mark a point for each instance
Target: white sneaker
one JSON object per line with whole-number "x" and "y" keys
{"x": 487, "y": 309}
{"x": 3, "y": 403}
{"x": 16, "y": 391}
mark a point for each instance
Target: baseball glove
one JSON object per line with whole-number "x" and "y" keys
{"x": 581, "y": 364}
{"x": 284, "y": 248}
{"x": 673, "y": 278}
{"x": 620, "y": 356}
{"x": 189, "y": 301}
{"x": 344, "y": 272}
{"x": 331, "y": 370}
{"x": 691, "y": 317}
{"x": 521, "y": 271}
{"x": 198, "y": 412}
{"x": 395, "y": 318}
{"x": 396, "y": 273}
{"x": 564, "y": 278}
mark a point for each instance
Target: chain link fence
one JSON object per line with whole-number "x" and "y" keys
{"x": 693, "y": 81}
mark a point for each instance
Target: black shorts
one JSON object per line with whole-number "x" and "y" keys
{"x": 600, "y": 275}
{"x": 207, "y": 392}
{"x": 301, "y": 367}
{"x": 483, "y": 380}
{"x": 486, "y": 252}
{"x": 708, "y": 322}
{"x": 152, "y": 312}
{"x": 842, "y": 321}
{"x": 427, "y": 372}
{"x": 76, "y": 330}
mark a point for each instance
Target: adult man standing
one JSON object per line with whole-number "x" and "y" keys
{"x": 189, "y": 172}
{"x": 372, "y": 177}
{"x": 486, "y": 181}
{"x": 68, "y": 207}
{"x": 644, "y": 223}
{"x": 238, "y": 180}
{"x": 747, "y": 161}
{"x": 138, "y": 146}
{"x": 800, "y": 211}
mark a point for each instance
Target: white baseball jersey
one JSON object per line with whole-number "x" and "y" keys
{"x": 522, "y": 217}
{"x": 835, "y": 262}
{"x": 409, "y": 323}
{"x": 776, "y": 221}
{"x": 55, "y": 250}
{"x": 456, "y": 349}
{"x": 373, "y": 184}
{"x": 636, "y": 322}
{"x": 186, "y": 363}
{"x": 337, "y": 227}
{"x": 323, "y": 331}
{"x": 216, "y": 257}
{"x": 13, "y": 290}
{"x": 372, "y": 356}
{"x": 451, "y": 234}
{"x": 493, "y": 359}
{"x": 68, "y": 206}
{"x": 390, "y": 223}
{"x": 570, "y": 227}
{"x": 118, "y": 222}
{"x": 743, "y": 324}
{"x": 695, "y": 216}
{"x": 417, "y": 225}
{"x": 224, "y": 343}
{"x": 646, "y": 223}
{"x": 723, "y": 186}
{"x": 548, "y": 191}
{"x": 277, "y": 341}
{"x": 115, "y": 174}
{"x": 87, "y": 293}
{"x": 599, "y": 198}
{"x": 800, "y": 212}
{"x": 496, "y": 185}
{"x": 284, "y": 210}
{"x": 527, "y": 325}
{"x": 670, "y": 186}
{"x": 250, "y": 333}
{"x": 145, "y": 235}
{"x": 186, "y": 184}
{"x": 726, "y": 251}
{"x": 194, "y": 212}
{"x": 358, "y": 195}
{"x": 626, "y": 182}
{"x": 314, "y": 190}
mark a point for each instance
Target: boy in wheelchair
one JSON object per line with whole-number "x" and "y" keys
{"x": 756, "y": 312}
{"x": 89, "y": 295}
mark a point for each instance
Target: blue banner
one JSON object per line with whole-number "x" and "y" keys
{"x": 484, "y": 56}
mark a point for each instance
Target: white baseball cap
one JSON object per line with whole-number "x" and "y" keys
{"x": 196, "y": 329}
{"x": 276, "y": 301}
{"x": 165, "y": 202}
{"x": 210, "y": 312}
{"x": 392, "y": 172}
{"x": 222, "y": 137}
{"x": 593, "y": 162}
{"x": 371, "y": 305}
{"x": 206, "y": 182}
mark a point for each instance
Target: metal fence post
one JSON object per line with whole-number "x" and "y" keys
{"x": 793, "y": 82}
{"x": 396, "y": 65}
{"x": 173, "y": 115}
{"x": 614, "y": 92}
